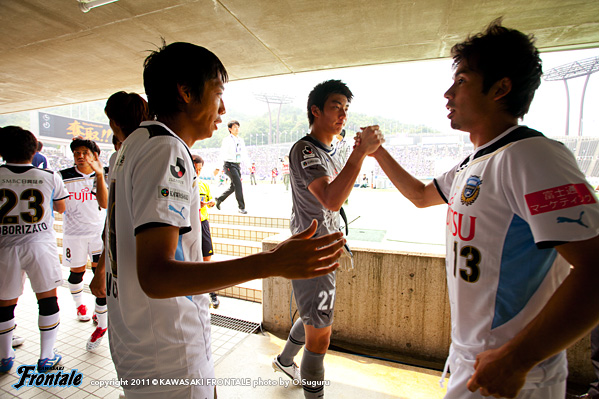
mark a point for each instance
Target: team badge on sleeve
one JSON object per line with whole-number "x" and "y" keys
{"x": 178, "y": 170}
{"x": 309, "y": 162}
{"x": 308, "y": 153}
{"x": 471, "y": 190}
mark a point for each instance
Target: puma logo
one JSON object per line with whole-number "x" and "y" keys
{"x": 563, "y": 219}
{"x": 180, "y": 212}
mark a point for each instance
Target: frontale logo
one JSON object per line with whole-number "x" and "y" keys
{"x": 178, "y": 170}
{"x": 471, "y": 190}
{"x": 52, "y": 377}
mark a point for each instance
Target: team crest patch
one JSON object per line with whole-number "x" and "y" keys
{"x": 471, "y": 190}
{"x": 308, "y": 153}
{"x": 178, "y": 170}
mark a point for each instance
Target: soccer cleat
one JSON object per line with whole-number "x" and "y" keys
{"x": 6, "y": 364}
{"x": 17, "y": 341}
{"x": 44, "y": 365}
{"x": 214, "y": 302}
{"x": 292, "y": 371}
{"x": 96, "y": 339}
{"x": 82, "y": 313}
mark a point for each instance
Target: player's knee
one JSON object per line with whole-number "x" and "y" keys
{"x": 48, "y": 306}
{"x": 76, "y": 278}
{"x": 7, "y": 313}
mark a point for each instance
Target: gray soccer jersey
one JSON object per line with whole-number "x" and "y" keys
{"x": 309, "y": 160}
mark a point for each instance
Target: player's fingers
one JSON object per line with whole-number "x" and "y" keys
{"x": 325, "y": 240}
{"x": 472, "y": 385}
{"x": 309, "y": 232}
{"x": 330, "y": 249}
{"x": 324, "y": 270}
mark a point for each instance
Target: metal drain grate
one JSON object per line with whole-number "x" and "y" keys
{"x": 234, "y": 324}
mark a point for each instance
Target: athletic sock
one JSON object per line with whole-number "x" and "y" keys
{"x": 6, "y": 331}
{"x": 295, "y": 341}
{"x": 77, "y": 293}
{"x": 312, "y": 372}
{"x": 48, "y": 321}
{"x": 101, "y": 311}
{"x": 48, "y": 331}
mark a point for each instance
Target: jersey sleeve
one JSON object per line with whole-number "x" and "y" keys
{"x": 60, "y": 190}
{"x": 308, "y": 162}
{"x": 162, "y": 185}
{"x": 544, "y": 186}
{"x": 443, "y": 183}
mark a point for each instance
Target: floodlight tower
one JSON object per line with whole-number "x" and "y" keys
{"x": 573, "y": 70}
{"x": 273, "y": 99}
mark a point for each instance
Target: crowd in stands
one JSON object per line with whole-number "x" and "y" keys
{"x": 424, "y": 161}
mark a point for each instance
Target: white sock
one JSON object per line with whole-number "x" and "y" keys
{"x": 48, "y": 326}
{"x": 77, "y": 293}
{"x": 102, "y": 315}
{"x": 6, "y": 331}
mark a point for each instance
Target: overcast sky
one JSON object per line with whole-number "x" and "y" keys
{"x": 412, "y": 92}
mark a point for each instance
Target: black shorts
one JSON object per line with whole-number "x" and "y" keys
{"x": 207, "y": 249}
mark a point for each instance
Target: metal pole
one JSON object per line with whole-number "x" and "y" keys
{"x": 584, "y": 89}
{"x": 567, "y": 107}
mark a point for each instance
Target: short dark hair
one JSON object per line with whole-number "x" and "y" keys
{"x": 17, "y": 144}
{"x": 232, "y": 123}
{"x": 321, "y": 92}
{"x": 178, "y": 64}
{"x": 500, "y": 52}
{"x": 40, "y": 146}
{"x": 197, "y": 159}
{"x": 91, "y": 145}
{"x": 127, "y": 110}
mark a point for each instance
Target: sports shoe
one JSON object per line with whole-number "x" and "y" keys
{"x": 214, "y": 302}
{"x": 17, "y": 341}
{"x": 96, "y": 339}
{"x": 95, "y": 319}
{"x": 44, "y": 365}
{"x": 6, "y": 364}
{"x": 292, "y": 371}
{"x": 82, "y": 313}
{"x": 243, "y": 211}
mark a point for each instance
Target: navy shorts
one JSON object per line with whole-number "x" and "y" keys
{"x": 207, "y": 249}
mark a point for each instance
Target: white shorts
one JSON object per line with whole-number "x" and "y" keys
{"x": 75, "y": 249}
{"x": 40, "y": 262}
{"x": 462, "y": 369}
{"x": 186, "y": 392}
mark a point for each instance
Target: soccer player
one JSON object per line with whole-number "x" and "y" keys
{"x": 28, "y": 197}
{"x": 84, "y": 219}
{"x": 206, "y": 201}
{"x": 159, "y": 322}
{"x": 320, "y": 183}
{"x": 125, "y": 111}
{"x": 520, "y": 212}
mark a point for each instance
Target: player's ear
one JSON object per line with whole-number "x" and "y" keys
{"x": 501, "y": 88}
{"x": 184, "y": 93}
{"x": 315, "y": 111}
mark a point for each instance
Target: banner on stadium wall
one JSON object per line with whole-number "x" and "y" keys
{"x": 60, "y": 127}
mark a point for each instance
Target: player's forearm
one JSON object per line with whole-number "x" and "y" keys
{"x": 411, "y": 188}
{"x": 101, "y": 191}
{"x": 339, "y": 189}
{"x": 171, "y": 278}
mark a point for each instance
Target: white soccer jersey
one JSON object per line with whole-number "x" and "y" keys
{"x": 152, "y": 184}
{"x": 26, "y": 209}
{"x": 83, "y": 216}
{"x": 510, "y": 203}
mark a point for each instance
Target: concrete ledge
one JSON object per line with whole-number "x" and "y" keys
{"x": 393, "y": 302}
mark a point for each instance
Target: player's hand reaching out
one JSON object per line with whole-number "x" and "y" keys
{"x": 304, "y": 257}
{"x": 94, "y": 162}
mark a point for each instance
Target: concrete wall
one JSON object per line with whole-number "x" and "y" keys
{"x": 392, "y": 303}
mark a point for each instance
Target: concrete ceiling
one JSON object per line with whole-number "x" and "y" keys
{"x": 53, "y": 54}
